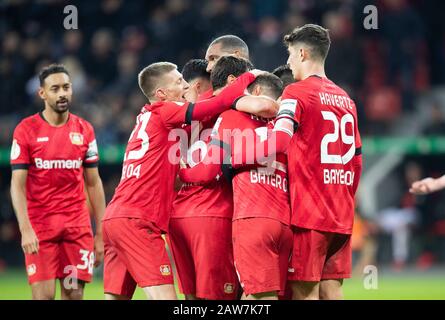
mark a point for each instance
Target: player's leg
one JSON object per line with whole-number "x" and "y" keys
{"x": 309, "y": 253}
{"x": 337, "y": 267}
{"x": 161, "y": 292}
{"x": 42, "y": 267}
{"x": 44, "y": 290}
{"x": 118, "y": 283}
{"x": 331, "y": 289}
{"x": 76, "y": 261}
{"x": 305, "y": 290}
{"x": 111, "y": 296}
{"x": 180, "y": 248}
{"x": 72, "y": 293}
{"x": 141, "y": 248}
{"x": 261, "y": 296}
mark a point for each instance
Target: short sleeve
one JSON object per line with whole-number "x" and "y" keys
{"x": 174, "y": 114}
{"x": 20, "y": 154}
{"x": 92, "y": 154}
{"x": 293, "y": 100}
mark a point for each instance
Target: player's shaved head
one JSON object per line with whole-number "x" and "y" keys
{"x": 315, "y": 37}
{"x": 227, "y": 45}
{"x": 269, "y": 84}
{"x": 152, "y": 76}
{"x": 231, "y": 43}
{"x": 228, "y": 66}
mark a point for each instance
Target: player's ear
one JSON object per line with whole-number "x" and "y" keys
{"x": 257, "y": 90}
{"x": 303, "y": 54}
{"x": 41, "y": 93}
{"x": 198, "y": 85}
{"x": 231, "y": 79}
{"x": 160, "y": 94}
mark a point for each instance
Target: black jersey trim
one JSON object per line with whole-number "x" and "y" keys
{"x": 91, "y": 164}
{"x": 189, "y": 113}
{"x": 20, "y": 166}
{"x": 225, "y": 146}
{"x": 235, "y": 102}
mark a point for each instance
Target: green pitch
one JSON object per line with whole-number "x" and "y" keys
{"x": 13, "y": 285}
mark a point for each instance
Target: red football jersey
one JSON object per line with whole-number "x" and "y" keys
{"x": 257, "y": 191}
{"x": 55, "y": 157}
{"x": 214, "y": 199}
{"x": 322, "y": 155}
{"x": 146, "y": 187}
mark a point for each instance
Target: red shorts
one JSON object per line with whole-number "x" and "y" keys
{"x": 67, "y": 252}
{"x": 262, "y": 248}
{"x": 135, "y": 254}
{"x": 319, "y": 255}
{"x": 203, "y": 254}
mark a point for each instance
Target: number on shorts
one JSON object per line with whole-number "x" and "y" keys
{"x": 88, "y": 261}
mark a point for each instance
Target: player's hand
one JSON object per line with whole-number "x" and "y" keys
{"x": 192, "y": 93}
{"x": 98, "y": 250}
{"x": 30, "y": 242}
{"x": 257, "y": 72}
{"x": 424, "y": 186}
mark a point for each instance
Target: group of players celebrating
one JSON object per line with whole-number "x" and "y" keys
{"x": 266, "y": 202}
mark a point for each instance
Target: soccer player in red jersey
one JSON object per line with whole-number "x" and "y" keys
{"x": 195, "y": 73}
{"x": 52, "y": 153}
{"x": 139, "y": 212}
{"x": 262, "y": 238}
{"x": 324, "y": 166}
{"x": 226, "y": 45}
{"x": 200, "y": 224}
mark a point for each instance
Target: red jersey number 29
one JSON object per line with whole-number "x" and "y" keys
{"x": 333, "y": 138}
{"x": 129, "y": 170}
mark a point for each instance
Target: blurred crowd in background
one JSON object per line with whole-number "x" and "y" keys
{"x": 384, "y": 70}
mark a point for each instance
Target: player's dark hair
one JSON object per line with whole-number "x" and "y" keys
{"x": 150, "y": 75}
{"x": 285, "y": 74}
{"x": 312, "y": 35}
{"x": 231, "y": 43}
{"x": 271, "y": 85}
{"x": 51, "y": 69}
{"x": 226, "y": 66}
{"x": 195, "y": 68}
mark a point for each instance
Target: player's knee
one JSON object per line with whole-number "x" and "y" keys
{"x": 302, "y": 290}
{"x": 331, "y": 290}
{"x": 265, "y": 296}
{"x": 331, "y": 294}
{"x": 43, "y": 295}
{"x": 43, "y": 291}
{"x": 161, "y": 292}
{"x": 111, "y": 296}
{"x": 76, "y": 294}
